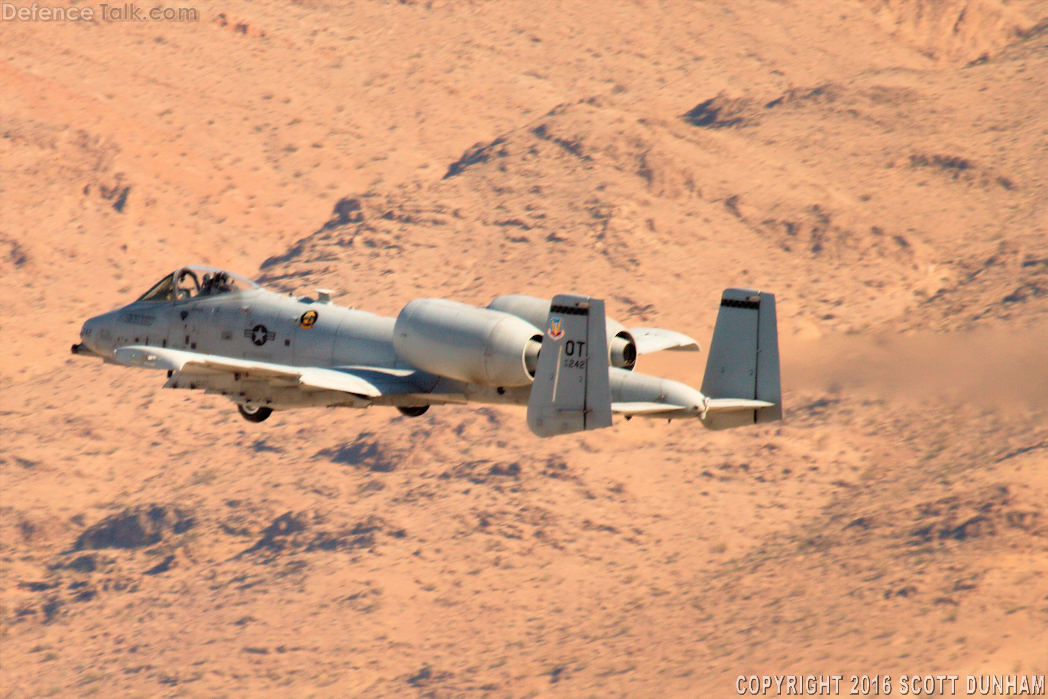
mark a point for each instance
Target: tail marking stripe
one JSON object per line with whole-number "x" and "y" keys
{"x": 732, "y": 303}
{"x": 569, "y": 310}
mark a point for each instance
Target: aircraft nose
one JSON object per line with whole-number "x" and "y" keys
{"x": 89, "y": 333}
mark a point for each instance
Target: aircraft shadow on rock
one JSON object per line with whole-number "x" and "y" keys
{"x": 564, "y": 359}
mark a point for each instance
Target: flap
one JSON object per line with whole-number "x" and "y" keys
{"x": 337, "y": 380}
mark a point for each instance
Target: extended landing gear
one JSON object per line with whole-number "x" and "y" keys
{"x": 412, "y": 410}
{"x": 254, "y": 413}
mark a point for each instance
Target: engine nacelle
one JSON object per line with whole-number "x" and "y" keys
{"x": 467, "y": 343}
{"x": 622, "y": 349}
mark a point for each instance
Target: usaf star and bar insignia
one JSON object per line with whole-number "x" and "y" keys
{"x": 259, "y": 334}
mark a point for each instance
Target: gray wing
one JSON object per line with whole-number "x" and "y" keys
{"x": 371, "y": 383}
{"x": 656, "y": 339}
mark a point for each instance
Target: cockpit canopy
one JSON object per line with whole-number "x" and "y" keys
{"x": 196, "y": 281}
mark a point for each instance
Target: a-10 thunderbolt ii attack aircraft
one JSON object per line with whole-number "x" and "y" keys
{"x": 569, "y": 364}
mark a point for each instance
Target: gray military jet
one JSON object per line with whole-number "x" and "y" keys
{"x": 569, "y": 364}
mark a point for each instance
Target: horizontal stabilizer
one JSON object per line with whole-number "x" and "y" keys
{"x": 641, "y": 408}
{"x": 728, "y": 405}
{"x": 710, "y": 406}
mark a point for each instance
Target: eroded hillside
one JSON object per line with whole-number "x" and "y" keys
{"x": 879, "y": 165}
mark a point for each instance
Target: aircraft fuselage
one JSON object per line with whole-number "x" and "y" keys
{"x": 215, "y": 331}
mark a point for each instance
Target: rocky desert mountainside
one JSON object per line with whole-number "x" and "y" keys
{"x": 882, "y": 165}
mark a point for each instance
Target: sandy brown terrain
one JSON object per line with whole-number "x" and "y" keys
{"x": 882, "y": 165}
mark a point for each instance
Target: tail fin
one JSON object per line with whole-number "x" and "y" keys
{"x": 744, "y": 358}
{"x": 571, "y": 391}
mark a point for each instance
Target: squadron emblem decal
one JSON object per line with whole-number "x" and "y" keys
{"x": 556, "y": 330}
{"x": 259, "y": 334}
{"x": 308, "y": 319}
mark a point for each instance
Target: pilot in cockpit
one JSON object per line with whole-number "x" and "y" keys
{"x": 217, "y": 283}
{"x": 192, "y": 282}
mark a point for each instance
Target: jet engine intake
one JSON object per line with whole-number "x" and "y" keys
{"x": 467, "y": 343}
{"x": 622, "y": 349}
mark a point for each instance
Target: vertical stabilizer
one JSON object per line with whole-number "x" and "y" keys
{"x": 571, "y": 391}
{"x": 744, "y": 358}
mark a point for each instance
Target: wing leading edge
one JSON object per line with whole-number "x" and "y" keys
{"x": 364, "y": 382}
{"x": 651, "y": 340}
